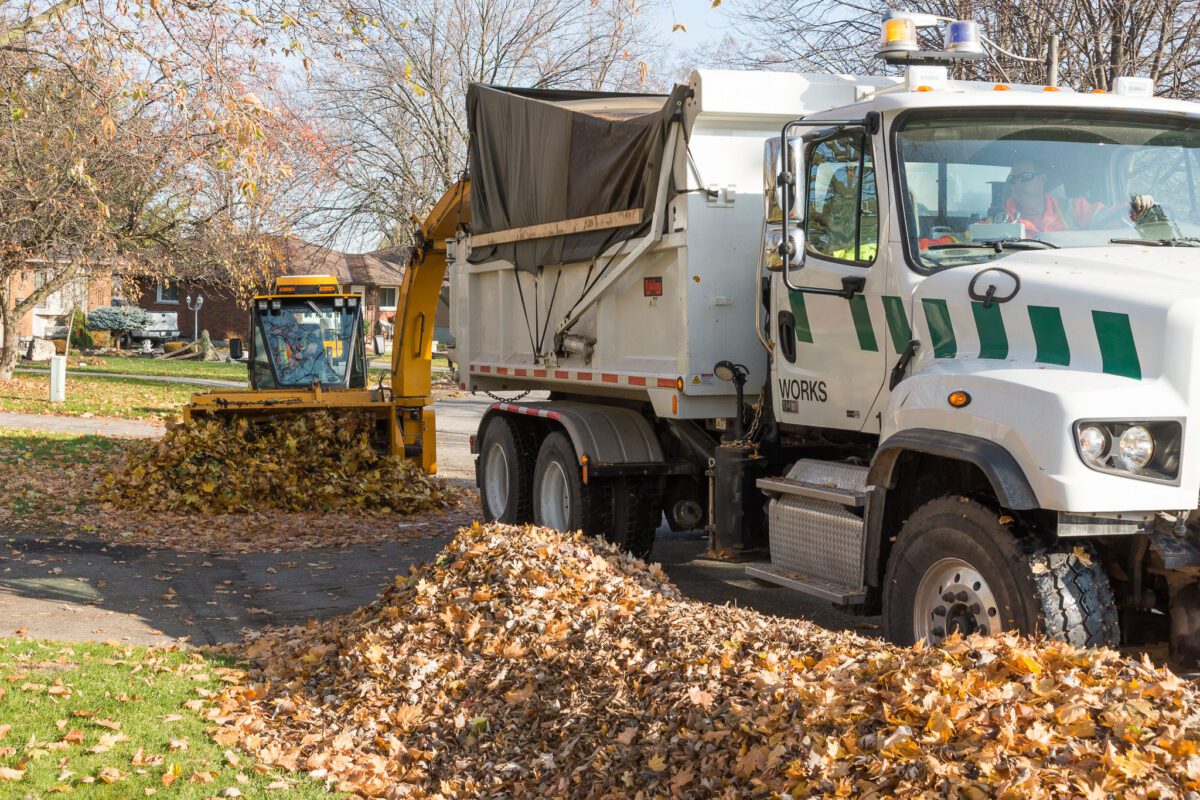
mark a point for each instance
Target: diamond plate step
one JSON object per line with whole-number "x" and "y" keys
{"x": 830, "y": 494}
{"x": 843, "y": 595}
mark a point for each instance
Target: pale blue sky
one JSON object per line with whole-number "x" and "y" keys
{"x": 705, "y": 24}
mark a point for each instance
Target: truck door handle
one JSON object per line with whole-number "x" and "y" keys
{"x": 902, "y": 363}
{"x": 851, "y": 285}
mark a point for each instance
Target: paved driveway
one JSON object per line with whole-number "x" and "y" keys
{"x": 86, "y": 589}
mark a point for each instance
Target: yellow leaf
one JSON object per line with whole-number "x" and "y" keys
{"x": 657, "y": 763}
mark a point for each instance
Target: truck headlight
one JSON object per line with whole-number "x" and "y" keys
{"x": 1093, "y": 444}
{"x": 1135, "y": 448}
{"x": 1146, "y": 450}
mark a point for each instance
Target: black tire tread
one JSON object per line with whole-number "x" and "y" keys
{"x": 1073, "y": 591}
{"x": 637, "y": 512}
{"x": 524, "y": 454}
{"x": 1077, "y": 600}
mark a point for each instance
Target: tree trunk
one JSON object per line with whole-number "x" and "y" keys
{"x": 10, "y": 350}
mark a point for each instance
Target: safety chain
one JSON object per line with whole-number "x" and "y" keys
{"x": 499, "y": 399}
{"x": 748, "y": 437}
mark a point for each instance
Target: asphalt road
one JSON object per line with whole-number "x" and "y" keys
{"x": 85, "y": 589}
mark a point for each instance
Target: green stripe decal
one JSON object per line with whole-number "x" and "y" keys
{"x": 800, "y": 312}
{"x": 862, "y": 323}
{"x": 1117, "y": 350}
{"x": 993, "y": 340}
{"x": 897, "y": 322}
{"x": 941, "y": 331}
{"x": 1049, "y": 335}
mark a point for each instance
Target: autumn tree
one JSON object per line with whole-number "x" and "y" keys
{"x": 1099, "y": 39}
{"x": 140, "y": 138}
{"x": 396, "y": 101}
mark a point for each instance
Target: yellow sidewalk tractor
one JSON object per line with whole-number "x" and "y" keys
{"x": 307, "y": 348}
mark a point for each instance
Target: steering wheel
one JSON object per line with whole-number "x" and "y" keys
{"x": 1112, "y": 217}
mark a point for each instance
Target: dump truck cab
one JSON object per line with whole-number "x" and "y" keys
{"x": 307, "y": 332}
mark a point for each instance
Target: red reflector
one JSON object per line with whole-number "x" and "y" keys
{"x": 472, "y": 443}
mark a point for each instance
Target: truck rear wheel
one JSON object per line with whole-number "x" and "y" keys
{"x": 506, "y": 459}
{"x": 637, "y": 510}
{"x": 560, "y": 498}
{"x": 955, "y": 567}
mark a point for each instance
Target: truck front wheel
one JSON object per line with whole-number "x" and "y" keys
{"x": 956, "y": 568}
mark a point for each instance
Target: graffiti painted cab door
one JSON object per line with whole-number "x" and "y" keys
{"x": 830, "y": 362}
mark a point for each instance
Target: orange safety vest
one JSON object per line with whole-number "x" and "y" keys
{"x": 1052, "y": 219}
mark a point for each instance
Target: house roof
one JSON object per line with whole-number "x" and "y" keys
{"x": 382, "y": 268}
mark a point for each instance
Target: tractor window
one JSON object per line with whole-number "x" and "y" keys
{"x": 312, "y": 341}
{"x": 842, "y": 221}
{"x": 261, "y": 376}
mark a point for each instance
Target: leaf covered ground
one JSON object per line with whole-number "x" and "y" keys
{"x": 302, "y": 462}
{"x": 53, "y": 484}
{"x": 530, "y": 663}
{"x": 111, "y": 721}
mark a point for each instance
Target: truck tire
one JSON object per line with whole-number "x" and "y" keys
{"x": 956, "y": 567}
{"x": 560, "y": 498}
{"x": 506, "y": 458}
{"x": 637, "y": 510}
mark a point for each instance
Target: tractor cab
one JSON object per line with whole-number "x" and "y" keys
{"x": 307, "y": 333}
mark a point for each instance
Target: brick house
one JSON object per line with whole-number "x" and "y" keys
{"x": 49, "y": 319}
{"x": 377, "y": 276}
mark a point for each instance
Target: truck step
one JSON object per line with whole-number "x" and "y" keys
{"x": 830, "y": 494}
{"x": 844, "y": 595}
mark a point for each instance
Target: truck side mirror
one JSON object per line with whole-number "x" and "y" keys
{"x": 235, "y": 349}
{"x": 777, "y": 163}
{"x": 773, "y": 255}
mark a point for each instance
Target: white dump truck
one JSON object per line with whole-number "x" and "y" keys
{"x": 922, "y": 347}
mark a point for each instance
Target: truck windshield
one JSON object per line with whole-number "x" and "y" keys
{"x": 307, "y": 341}
{"x": 980, "y": 189}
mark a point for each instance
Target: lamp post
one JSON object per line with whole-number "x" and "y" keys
{"x": 195, "y": 309}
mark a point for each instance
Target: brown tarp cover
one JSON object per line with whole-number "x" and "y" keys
{"x": 539, "y": 155}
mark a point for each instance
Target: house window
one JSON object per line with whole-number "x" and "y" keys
{"x": 387, "y": 298}
{"x": 168, "y": 292}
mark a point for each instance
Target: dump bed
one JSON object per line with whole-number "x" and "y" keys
{"x": 592, "y": 270}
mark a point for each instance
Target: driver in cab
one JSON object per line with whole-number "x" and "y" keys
{"x": 1030, "y": 204}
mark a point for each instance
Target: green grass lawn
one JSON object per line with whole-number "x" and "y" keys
{"x": 106, "y": 721}
{"x": 127, "y": 398}
{"x": 132, "y": 365}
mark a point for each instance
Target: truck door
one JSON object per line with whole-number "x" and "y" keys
{"x": 830, "y": 362}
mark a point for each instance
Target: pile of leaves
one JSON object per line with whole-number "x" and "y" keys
{"x": 303, "y": 462}
{"x": 530, "y": 663}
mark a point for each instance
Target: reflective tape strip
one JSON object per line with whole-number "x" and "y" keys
{"x": 897, "y": 322}
{"x": 941, "y": 330}
{"x": 993, "y": 340}
{"x": 1049, "y": 335}
{"x": 800, "y": 313}
{"x": 624, "y": 379}
{"x": 1118, "y": 352}
{"x": 862, "y": 323}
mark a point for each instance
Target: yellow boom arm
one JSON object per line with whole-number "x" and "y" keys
{"x": 412, "y": 345}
